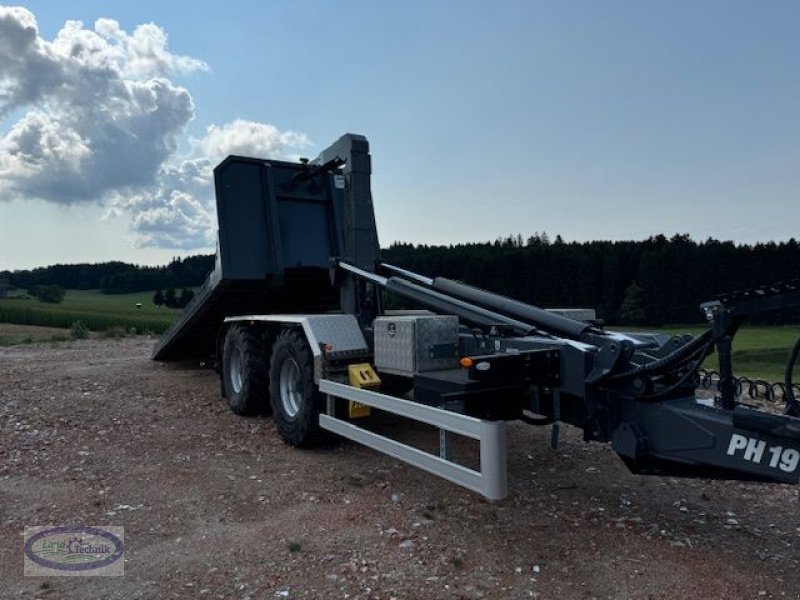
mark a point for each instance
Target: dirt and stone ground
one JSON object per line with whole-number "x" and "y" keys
{"x": 216, "y": 506}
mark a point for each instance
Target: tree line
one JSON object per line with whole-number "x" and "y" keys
{"x": 117, "y": 277}
{"x": 655, "y": 281}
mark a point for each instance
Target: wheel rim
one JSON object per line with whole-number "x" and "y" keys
{"x": 291, "y": 396}
{"x": 235, "y": 370}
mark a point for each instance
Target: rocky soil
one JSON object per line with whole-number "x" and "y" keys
{"x": 216, "y": 506}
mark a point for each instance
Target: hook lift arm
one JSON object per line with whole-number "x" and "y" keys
{"x": 637, "y": 391}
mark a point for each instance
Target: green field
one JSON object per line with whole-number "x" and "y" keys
{"x": 758, "y": 352}
{"x": 98, "y": 311}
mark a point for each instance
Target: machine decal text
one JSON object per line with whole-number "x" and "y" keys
{"x": 757, "y": 451}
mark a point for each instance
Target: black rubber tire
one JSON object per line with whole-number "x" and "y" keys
{"x": 301, "y": 429}
{"x": 252, "y": 396}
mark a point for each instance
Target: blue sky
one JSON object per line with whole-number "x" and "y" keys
{"x": 593, "y": 120}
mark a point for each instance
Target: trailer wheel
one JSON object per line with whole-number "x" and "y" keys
{"x": 295, "y": 399}
{"x": 245, "y": 375}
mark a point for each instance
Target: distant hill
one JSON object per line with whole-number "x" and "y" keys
{"x": 117, "y": 277}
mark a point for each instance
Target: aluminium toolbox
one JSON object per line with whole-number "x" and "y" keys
{"x": 410, "y": 344}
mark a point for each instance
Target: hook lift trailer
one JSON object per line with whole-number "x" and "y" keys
{"x": 293, "y": 317}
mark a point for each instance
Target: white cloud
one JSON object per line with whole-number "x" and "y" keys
{"x": 101, "y": 123}
{"x": 247, "y": 138}
{"x": 177, "y": 211}
{"x": 176, "y": 220}
{"x": 89, "y": 129}
{"x": 144, "y": 53}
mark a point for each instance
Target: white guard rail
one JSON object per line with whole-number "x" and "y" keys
{"x": 491, "y": 480}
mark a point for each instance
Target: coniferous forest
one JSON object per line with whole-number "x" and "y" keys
{"x": 117, "y": 277}
{"x": 652, "y": 282}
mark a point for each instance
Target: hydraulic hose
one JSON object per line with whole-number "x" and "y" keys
{"x": 690, "y": 372}
{"x": 667, "y": 362}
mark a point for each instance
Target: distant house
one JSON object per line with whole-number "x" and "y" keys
{"x": 4, "y": 286}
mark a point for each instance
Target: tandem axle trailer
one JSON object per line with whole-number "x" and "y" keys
{"x": 294, "y": 316}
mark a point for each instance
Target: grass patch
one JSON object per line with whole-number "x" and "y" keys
{"x": 13, "y": 335}
{"x": 78, "y": 331}
{"x": 99, "y": 312}
{"x": 115, "y": 332}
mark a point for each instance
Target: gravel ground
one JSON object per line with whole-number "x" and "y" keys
{"x": 216, "y": 506}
